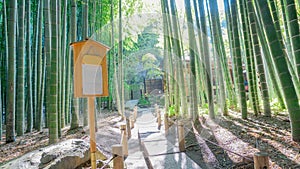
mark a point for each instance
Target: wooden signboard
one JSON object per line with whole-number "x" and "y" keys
{"x": 90, "y": 69}
{"x": 90, "y": 80}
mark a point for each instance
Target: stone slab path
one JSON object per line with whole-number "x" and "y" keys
{"x": 150, "y": 148}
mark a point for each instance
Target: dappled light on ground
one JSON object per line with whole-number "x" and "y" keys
{"x": 245, "y": 137}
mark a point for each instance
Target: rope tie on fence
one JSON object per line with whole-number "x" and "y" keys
{"x": 107, "y": 163}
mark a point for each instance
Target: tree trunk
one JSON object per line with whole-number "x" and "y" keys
{"x": 53, "y": 121}
{"x": 84, "y": 36}
{"x": 250, "y": 66}
{"x": 238, "y": 61}
{"x": 20, "y": 99}
{"x": 207, "y": 60}
{"x": 278, "y": 56}
{"x": 259, "y": 61}
{"x": 40, "y": 73}
{"x": 294, "y": 32}
{"x": 231, "y": 80}
{"x": 11, "y": 46}
{"x": 178, "y": 52}
{"x": 75, "y": 101}
{"x": 29, "y": 70}
{"x": 64, "y": 63}
{"x": 193, "y": 50}
{"x": 221, "y": 56}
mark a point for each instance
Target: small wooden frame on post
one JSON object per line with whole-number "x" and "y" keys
{"x": 181, "y": 138}
{"x": 261, "y": 160}
{"x": 117, "y": 151}
{"x": 90, "y": 80}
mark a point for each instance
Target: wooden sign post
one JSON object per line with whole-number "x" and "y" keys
{"x": 90, "y": 80}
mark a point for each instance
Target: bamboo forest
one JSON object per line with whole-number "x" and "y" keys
{"x": 150, "y": 84}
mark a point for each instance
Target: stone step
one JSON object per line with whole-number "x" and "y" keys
{"x": 135, "y": 161}
{"x": 173, "y": 161}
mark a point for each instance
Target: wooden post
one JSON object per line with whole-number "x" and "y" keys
{"x": 261, "y": 160}
{"x": 166, "y": 122}
{"x": 135, "y": 113}
{"x": 131, "y": 122}
{"x": 117, "y": 151}
{"x": 91, "y": 109}
{"x": 181, "y": 138}
{"x": 156, "y": 109}
{"x": 128, "y": 128}
{"x": 158, "y": 119}
{"x": 124, "y": 140}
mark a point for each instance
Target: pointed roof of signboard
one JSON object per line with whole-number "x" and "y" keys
{"x": 90, "y": 40}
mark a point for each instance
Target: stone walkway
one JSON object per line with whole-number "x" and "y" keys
{"x": 150, "y": 148}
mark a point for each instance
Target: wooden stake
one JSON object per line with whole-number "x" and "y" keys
{"x": 124, "y": 140}
{"x": 135, "y": 113}
{"x": 261, "y": 160}
{"x": 158, "y": 119}
{"x": 131, "y": 122}
{"x": 181, "y": 138}
{"x": 117, "y": 150}
{"x": 91, "y": 109}
{"x": 166, "y": 122}
{"x": 128, "y": 128}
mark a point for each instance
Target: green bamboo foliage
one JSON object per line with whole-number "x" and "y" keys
{"x": 207, "y": 59}
{"x": 250, "y": 66}
{"x": 120, "y": 62}
{"x": 193, "y": 54}
{"x": 11, "y": 67}
{"x": 238, "y": 60}
{"x": 278, "y": 56}
{"x": 29, "y": 71}
{"x": 3, "y": 57}
{"x": 259, "y": 61}
{"x": 1, "y": 116}
{"x": 166, "y": 56}
{"x": 168, "y": 59}
{"x": 120, "y": 52}
{"x": 221, "y": 56}
{"x": 48, "y": 60}
{"x": 75, "y": 101}
{"x": 116, "y": 83}
{"x": 176, "y": 46}
{"x": 52, "y": 109}
{"x": 286, "y": 46}
{"x": 231, "y": 74}
{"x": 173, "y": 93}
{"x": 294, "y": 32}
{"x": 59, "y": 65}
{"x": 20, "y": 107}
{"x": 85, "y": 11}
{"x": 36, "y": 17}
{"x": 64, "y": 63}
{"x": 269, "y": 63}
{"x": 200, "y": 78}
{"x": 287, "y": 39}
{"x": 40, "y": 70}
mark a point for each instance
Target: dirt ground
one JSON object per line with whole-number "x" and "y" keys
{"x": 239, "y": 139}
{"x": 35, "y": 140}
{"x": 227, "y": 142}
